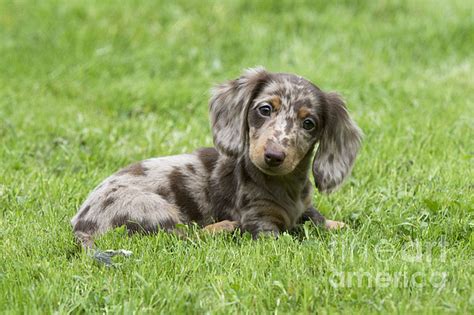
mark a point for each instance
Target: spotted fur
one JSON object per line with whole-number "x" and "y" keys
{"x": 256, "y": 177}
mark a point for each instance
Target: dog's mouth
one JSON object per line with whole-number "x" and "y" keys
{"x": 270, "y": 160}
{"x": 272, "y": 170}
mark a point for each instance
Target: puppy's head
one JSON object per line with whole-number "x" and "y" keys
{"x": 276, "y": 119}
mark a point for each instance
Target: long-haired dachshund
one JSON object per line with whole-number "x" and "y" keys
{"x": 265, "y": 127}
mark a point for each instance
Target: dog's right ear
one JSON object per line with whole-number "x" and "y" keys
{"x": 228, "y": 110}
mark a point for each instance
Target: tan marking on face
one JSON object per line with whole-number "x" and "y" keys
{"x": 257, "y": 155}
{"x": 303, "y": 112}
{"x": 260, "y": 139}
{"x": 276, "y": 102}
{"x": 257, "y": 148}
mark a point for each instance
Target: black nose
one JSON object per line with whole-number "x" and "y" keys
{"x": 274, "y": 158}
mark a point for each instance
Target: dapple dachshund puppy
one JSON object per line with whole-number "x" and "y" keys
{"x": 265, "y": 127}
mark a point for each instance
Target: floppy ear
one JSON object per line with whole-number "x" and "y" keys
{"x": 228, "y": 110}
{"x": 338, "y": 145}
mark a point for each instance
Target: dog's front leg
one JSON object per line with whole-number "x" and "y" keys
{"x": 267, "y": 221}
{"x": 317, "y": 218}
{"x": 313, "y": 215}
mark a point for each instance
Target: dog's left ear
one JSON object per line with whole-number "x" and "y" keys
{"x": 228, "y": 110}
{"x": 338, "y": 145}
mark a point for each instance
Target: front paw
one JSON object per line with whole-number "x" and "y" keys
{"x": 260, "y": 229}
{"x": 226, "y": 225}
{"x": 334, "y": 225}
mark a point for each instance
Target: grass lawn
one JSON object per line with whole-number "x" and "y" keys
{"x": 87, "y": 87}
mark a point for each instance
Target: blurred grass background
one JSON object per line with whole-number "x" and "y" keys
{"x": 87, "y": 87}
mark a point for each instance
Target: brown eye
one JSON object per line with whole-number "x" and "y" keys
{"x": 265, "y": 110}
{"x": 308, "y": 124}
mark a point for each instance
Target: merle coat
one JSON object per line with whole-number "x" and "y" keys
{"x": 265, "y": 128}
